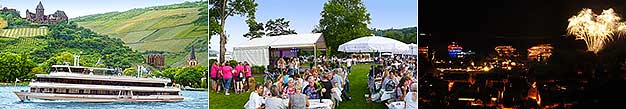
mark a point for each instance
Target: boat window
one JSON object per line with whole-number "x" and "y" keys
{"x": 60, "y": 69}
{"x": 73, "y": 91}
{"x": 99, "y": 82}
{"x": 78, "y": 70}
{"x": 153, "y": 93}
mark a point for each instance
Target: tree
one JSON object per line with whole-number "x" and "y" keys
{"x": 225, "y": 9}
{"x": 278, "y": 27}
{"x": 406, "y": 35}
{"x": 191, "y": 76}
{"x": 272, "y": 28}
{"x": 167, "y": 73}
{"x": 14, "y": 66}
{"x": 342, "y": 21}
{"x": 214, "y": 26}
{"x": 255, "y": 30}
{"x": 60, "y": 59}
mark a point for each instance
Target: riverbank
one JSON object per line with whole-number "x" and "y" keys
{"x": 14, "y": 84}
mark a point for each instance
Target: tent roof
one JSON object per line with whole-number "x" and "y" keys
{"x": 373, "y": 44}
{"x": 257, "y": 42}
{"x": 287, "y": 41}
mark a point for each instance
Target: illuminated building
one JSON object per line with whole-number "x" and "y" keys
{"x": 506, "y": 51}
{"x": 423, "y": 51}
{"x": 540, "y": 53}
{"x": 456, "y": 51}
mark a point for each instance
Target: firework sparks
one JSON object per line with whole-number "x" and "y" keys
{"x": 596, "y": 30}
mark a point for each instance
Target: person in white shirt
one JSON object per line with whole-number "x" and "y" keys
{"x": 410, "y": 100}
{"x": 255, "y": 101}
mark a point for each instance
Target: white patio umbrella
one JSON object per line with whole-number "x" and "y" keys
{"x": 373, "y": 44}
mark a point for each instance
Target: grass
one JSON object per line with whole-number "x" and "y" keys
{"x": 23, "y": 32}
{"x": 175, "y": 45}
{"x": 166, "y": 33}
{"x": 232, "y": 101}
{"x": 358, "y": 82}
{"x": 131, "y": 36}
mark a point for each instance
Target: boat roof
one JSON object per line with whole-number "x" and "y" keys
{"x": 81, "y": 67}
{"x": 103, "y": 77}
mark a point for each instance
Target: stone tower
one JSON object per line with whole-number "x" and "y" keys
{"x": 39, "y": 12}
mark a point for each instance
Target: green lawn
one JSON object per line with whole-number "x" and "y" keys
{"x": 358, "y": 82}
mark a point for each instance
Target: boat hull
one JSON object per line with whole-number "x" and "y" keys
{"x": 27, "y": 96}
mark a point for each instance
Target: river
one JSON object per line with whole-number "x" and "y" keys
{"x": 193, "y": 100}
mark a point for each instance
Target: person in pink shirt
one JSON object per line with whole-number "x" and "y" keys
{"x": 214, "y": 70}
{"x": 248, "y": 72}
{"x": 227, "y": 75}
{"x": 238, "y": 75}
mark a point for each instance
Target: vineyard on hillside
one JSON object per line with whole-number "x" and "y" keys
{"x": 23, "y": 32}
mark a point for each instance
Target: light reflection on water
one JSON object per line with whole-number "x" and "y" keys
{"x": 8, "y": 100}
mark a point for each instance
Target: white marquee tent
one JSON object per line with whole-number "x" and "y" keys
{"x": 411, "y": 51}
{"x": 257, "y": 51}
{"x": 373, "y": 44}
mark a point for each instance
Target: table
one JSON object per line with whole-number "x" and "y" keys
{"x": 315, "y": 104}
{"x": 395, "y": 105}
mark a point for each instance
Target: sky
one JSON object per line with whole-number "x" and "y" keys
{"x": 75, "y": 8}
{"x": 305, "y": 14}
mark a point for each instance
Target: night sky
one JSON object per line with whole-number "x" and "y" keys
{"x": 482, "y": 25}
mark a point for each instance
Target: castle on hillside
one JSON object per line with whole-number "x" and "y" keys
{"x": 39, "y": 17}
{"x": 156, "y": 60}
{"x": 5, "y": 9}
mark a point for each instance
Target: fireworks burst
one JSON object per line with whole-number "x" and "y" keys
{"x": 596, "y": 30}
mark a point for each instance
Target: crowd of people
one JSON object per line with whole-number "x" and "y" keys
{"x": 293, "y": 88}
{"x": 393, "y": 79}
{"x": 295, "y": 84}
{"x": 224, "y": 75}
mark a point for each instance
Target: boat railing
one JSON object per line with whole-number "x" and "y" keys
{"x": 113, "y": 75}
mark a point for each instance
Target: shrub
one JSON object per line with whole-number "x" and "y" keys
{"x": 211, "y": 61}
{"x": 257, "y": 69}
{"x": 232, "y": 63}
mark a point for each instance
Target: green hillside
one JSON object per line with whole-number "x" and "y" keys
{"x": 407, "y": 35}
{"x": 170, "y": 28}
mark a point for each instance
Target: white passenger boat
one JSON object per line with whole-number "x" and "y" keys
{"x": 88, "y": 84}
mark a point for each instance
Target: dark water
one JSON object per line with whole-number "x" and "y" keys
{"x": 8, "y": 100}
